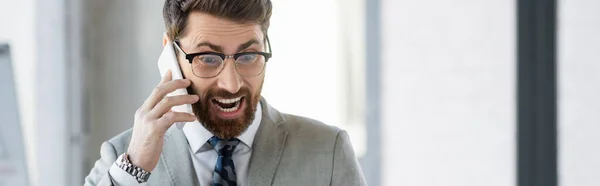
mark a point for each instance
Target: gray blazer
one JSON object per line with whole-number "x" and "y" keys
{"x": 287, "y": 150}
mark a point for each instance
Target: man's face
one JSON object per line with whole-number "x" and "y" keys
{"x": 207, "y": 33}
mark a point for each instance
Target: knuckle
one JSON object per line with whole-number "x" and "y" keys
{"x": 158, "y": 89}
{"x": 153, "y": 123}
{"x": 138, "y": 112}
{"x": 146, "y": 119}
{"x": 170, "y": 116}
{"x": 168, "y": 100}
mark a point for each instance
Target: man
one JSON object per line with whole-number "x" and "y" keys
{"x": 234, "y": 137}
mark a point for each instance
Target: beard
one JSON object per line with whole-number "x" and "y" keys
{"x": 225, "y": 128}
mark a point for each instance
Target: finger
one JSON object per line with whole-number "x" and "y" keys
{"x": 165, "y": 78}
{"x": 163, "y": 89}
{"x": 167, "y": 103}
{"x": 171, "y": 117}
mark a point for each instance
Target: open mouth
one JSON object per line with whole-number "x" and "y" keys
{"x": 228, "y": 105}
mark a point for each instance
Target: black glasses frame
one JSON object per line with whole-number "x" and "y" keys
{"x": 190, "y": 58}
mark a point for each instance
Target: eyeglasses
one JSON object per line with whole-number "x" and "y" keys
{"x": 211, "y": 64}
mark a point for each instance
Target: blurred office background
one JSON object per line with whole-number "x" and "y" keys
{"x": 428, "y": 90}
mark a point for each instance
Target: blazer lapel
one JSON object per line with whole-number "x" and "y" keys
{"x": 268, "y": 146}
{"x": 177, "y": 160}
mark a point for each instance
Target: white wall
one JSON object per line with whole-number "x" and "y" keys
{"x": 579, "y": 92}
{"x": 313, "y": 71}
{"x": 124, "y": 40}
{"x": 448, "y": 98}
{"x": 17, "y": 23}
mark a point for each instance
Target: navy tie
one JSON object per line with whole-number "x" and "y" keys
{"x": 224, "y": 174}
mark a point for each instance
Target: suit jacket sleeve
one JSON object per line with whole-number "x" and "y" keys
{"x": 346, "y": 170}
{"x": 99, "y": 175}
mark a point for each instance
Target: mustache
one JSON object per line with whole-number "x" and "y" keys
{"x": 222, "y": 93}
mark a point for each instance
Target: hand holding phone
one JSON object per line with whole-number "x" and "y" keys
{"x": 154, "y": 118}
{"x": 168, "y": 61}
{"x": 168, "y": 104}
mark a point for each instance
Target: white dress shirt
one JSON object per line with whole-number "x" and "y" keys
{"x": 204, "y": 156}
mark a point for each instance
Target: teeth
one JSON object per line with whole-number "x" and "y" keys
{"x": 227, "y": 101}
{"x": 234, "y": 108}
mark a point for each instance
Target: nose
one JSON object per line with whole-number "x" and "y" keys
{"x": 229, "y": 78}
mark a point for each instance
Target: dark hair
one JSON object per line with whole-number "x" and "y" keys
{"x": 176, "y": 12}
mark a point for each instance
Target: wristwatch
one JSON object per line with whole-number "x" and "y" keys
{"x": 138, "y": 173}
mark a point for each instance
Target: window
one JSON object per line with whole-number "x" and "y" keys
{"x": 316, "y": 69}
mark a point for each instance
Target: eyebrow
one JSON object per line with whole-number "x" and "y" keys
{"x": 211, "y": 46}
{"x": 220, "y": 49}
{"x": 247, "y": 44}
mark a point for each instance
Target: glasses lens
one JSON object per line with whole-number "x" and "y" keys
{"x": 207, "y": 65}
{"x": 250, "y": 64}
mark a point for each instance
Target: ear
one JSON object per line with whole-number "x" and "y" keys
{"x": 165, "y": 39}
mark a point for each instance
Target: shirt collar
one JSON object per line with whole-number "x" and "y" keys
{"x": 197, "y": 135}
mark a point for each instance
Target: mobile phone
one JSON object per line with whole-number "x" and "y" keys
{"x": 168, "y": 61}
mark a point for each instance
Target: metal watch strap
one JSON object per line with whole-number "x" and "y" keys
{"x": 138, "y": 173}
